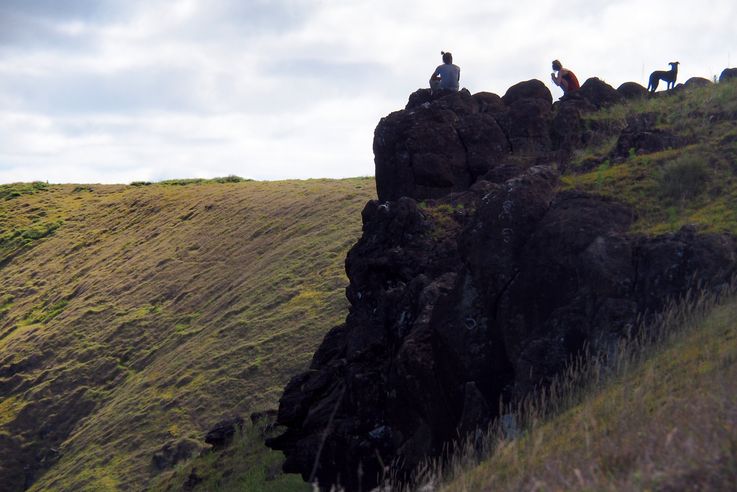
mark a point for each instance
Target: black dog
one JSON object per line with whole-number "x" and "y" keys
{"x": 669, "y": 77}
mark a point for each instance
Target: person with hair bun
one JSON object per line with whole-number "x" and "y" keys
{"x": 447, "y": 76}
{"x": 565, "y": 79}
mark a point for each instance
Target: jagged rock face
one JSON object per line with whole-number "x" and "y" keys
{"x": 448, "y": 316}
{"x": 436, "y": 146}
{"x": 443, "y": 143}
{"x": 481, "y": 295}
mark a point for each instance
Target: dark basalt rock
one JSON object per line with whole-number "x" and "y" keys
{"x": 697, "y": 82}
{"x": 632, "y": 90}
{"x": 528, "y": 126}
{"x": 449, "y": 318}
{"x": 530, "y": 89}
{"x": 641, "y": 137}
{"x": 443, "y": 143}
{"x": 175, "y": 452}
{"x": 490, "y": 103}
{"x": 598, "y": 93}
{"x": 420, "y": 153}
{"x": 482, "y": 295}
{"x": 437, "y": 147}
{"x": 419, "y": 97}
{"x": 221, "y": 434}
{"x": 727, "y": 74}
{"x": 567, "y": 130}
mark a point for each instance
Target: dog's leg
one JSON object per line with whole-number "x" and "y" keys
{"x": 654, "y": 81}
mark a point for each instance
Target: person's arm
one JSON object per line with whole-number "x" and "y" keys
{"x": 556, "y": 78}
{"x": 435, "y": 75}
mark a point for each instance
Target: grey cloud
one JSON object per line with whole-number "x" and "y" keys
{"x": 236, "y": 21}
{"x": 64, "y": 10}
{"x": 35, "y": 23}
{"x": 327, "y": 71}
{"x": 129, "y": 91}
{"x": 263, "y": 15}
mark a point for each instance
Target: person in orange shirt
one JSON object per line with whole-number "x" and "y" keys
{"x": 564, "y": 78}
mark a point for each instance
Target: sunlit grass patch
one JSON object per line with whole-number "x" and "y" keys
{"x": 170, "y": 324}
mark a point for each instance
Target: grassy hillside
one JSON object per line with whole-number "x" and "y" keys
{"x": 692, "y": 184}
{"x": 132, "y": 317}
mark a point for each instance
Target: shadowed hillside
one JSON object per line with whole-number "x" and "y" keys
{"x": 133, "y": 318}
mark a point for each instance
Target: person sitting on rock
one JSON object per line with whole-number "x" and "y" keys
{"x": 565, "y": 79}
{"x": 446, "y": 76}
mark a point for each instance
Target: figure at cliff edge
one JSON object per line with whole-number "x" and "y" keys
{"x": 447, "y": 76}
{"x": 564, "y": 78}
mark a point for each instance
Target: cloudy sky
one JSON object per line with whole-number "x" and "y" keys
{"x": 115, "y": 91}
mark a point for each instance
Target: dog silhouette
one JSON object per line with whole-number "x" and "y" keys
{"x": 669, "y": 76}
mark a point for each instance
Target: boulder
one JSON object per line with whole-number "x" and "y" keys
{"x": 484, "y": 141}
{"x": 527, "y": 126}
{"x": 418, "y": 98}
{"x": 419, "y": 153}
{"x": 697, "y": 82}
{"x": 176, "y": 452}
{"x": 727, "y": 74}
{"x": 222, "y": 433}
{"x": 530, "y": 89}
{"x": 641, "y": 137}
{"x": 437, "y": 147}
{"x": 668, "y": 262}
{"x": 632, "y": 90}
{"x": 567, "y": 130}
{"x": 490, "y": 103}
{"x": 598, "y": 93}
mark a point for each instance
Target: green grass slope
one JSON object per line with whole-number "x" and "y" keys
{"x": 694, "y": 184}
{"x": 135, "y": 317}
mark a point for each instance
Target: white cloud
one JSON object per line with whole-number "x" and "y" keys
{"x": 119, "y": 91}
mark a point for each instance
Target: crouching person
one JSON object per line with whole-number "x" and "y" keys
{"x": 564, "y": 78}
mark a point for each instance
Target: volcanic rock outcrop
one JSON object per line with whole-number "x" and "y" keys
{"x": 728, "y": 73}
{"x": 475, "y": 281}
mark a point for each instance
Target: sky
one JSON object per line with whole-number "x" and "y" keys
{"x": 115, "y": 91}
